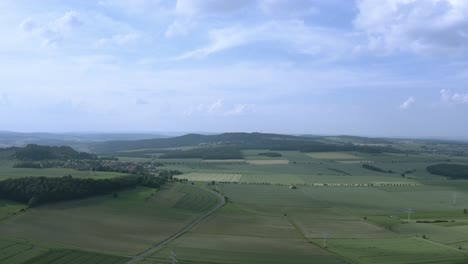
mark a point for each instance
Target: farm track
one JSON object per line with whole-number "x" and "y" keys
{"x": 158, "y": 246}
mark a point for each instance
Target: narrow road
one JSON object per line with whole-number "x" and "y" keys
{"x": 168, "y": 240}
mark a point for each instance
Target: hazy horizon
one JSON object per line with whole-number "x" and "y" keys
{"x": 395, "y": 68}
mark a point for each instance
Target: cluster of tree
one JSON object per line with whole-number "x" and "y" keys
{"x": 454, "y": 171}
{"x": 34, "y": 152}
{"x": 205, "y": 153}
{"x": 152, "y": 181}
{"x": 28, "y": 165}
{"x": 38, "y": 190}
{"x": 270, "y": 154}
{"x": 373, "y": 168}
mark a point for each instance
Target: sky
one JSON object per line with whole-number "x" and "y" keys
{"x": 364, "y": 67}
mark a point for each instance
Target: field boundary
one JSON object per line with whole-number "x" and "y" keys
{"x": 187, "y": 228}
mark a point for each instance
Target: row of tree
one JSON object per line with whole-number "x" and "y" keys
{"x": 39, "y": 190}
{"x": 454, "y": 171}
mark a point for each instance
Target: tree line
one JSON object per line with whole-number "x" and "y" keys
{"x": 454, "y": 171}
{"x": 39, "y": 190}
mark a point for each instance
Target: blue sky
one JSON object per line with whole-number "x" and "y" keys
{"x": 365, "y": 67}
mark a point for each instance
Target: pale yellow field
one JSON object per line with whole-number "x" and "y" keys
{"x": 333, "y": 155}
{"x": 218, "y": 177}
{"x": 269, "y": 162}
{"x": 354, "y": 161}
{"x": 225, "y": 161}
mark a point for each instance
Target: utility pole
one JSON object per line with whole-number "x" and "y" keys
{"x": 173, "y": 257}
{"x": 410, "y": 211}
{"x": 325, "y": 237}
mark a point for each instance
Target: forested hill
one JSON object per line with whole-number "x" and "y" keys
{"x": 34, "y": 152}
{"x": 237, "y": 140}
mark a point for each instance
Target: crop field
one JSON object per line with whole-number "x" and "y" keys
{"x": 139, "y": 216}
{"x": 243, "y": 234}
{"x": 7, "y": 171}
{"x": 269, "y": 162}
{"x": 395, "y": 250}
{"x": 334, "y": 155}
{"x": 225, "y": 161}
{"x": 17, "y": 251}
{"x": 208, "y": 177}
{"x": 9, "y": 208}
{"x": 278, "y": 210}
{"x": 76, "y": 257}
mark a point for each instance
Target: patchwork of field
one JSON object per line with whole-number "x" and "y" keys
{"x": 208, "y": 177}
{"x": 244, "y": 234}
{"x": 140, "y": 217}
{"x": 265, "y": 220}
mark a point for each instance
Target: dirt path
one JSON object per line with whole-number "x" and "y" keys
{"x": 166, "y": 241}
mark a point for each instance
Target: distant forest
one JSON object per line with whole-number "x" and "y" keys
{"x": 454, "y": 171}
{"x": 205, "y": 153}
{"x": 34, "y": 152}
{"x": 238, "y": 141}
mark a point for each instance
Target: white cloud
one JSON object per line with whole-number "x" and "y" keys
{"x": 180, "y": 26}
{"x": 134, "y": 7}
{"x": 421, "y": 26}
{"x": 208, "y": 7}
{"x": 450, "y": 97}
{"x": 214, "y": 107}
{"x": 297, "y": 36}
{"x": 408, "y": 103}
{"x": 288, "y": 8}
{"x": 119, "y": 39}
{"x": 55, "y": 30}
{"x": 240, "y": 109}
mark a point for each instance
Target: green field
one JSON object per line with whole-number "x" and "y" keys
{"x": 14, "y": 251}
{"x": 142, "y": 217}
{"x": 7, "y": 171}
{"x": 334, "y": 155}
{"x": 395, "y": 250}
{"x": 265, "y": 219}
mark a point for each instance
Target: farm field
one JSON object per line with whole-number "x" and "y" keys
{"x": 7, "y": 171}
{"x": 278, "y": 210}
{"x": 141, "y": 216}
{"x": 334, "y": 155}
{"x": 244, "y": 234}
{"x": 395, "y": 250}
{"x": 14, "y": 251}
{"x": 269, "y": 162}
{"x": 208, "y": 177}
